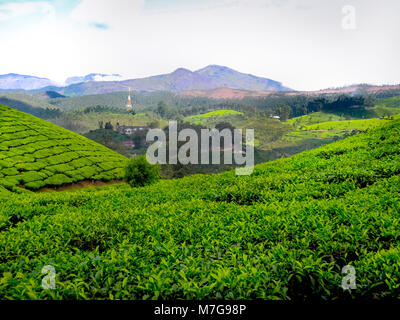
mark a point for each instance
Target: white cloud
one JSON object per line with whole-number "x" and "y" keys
{"x": 10, "y": 11}
{"x": 108, "y": 78}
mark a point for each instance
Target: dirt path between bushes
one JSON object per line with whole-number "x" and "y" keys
{"x": 80, "y": 185}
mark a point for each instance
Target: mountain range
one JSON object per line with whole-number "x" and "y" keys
{"x": 208, "y": 78}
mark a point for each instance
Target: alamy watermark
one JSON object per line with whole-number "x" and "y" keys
{"x": 49, "y": 281}
{"x": 197, "y": 149}
{"x": 349, "y": 17}
{"x": 349, "y": 281}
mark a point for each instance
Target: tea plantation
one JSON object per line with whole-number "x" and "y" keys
{"x": 210, "y": 119}
{"x": 285, "y": 232}
{"x": 36, "y": 154}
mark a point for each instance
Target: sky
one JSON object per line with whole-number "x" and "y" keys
{"x": 305, "y": 44}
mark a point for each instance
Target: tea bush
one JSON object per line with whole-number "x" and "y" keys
{"x": 139, "y": 172}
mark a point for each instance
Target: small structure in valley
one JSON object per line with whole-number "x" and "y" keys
{"x": 131, "y": 130}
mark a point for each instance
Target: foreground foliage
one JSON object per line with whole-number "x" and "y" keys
{"x": 285, "y": 232}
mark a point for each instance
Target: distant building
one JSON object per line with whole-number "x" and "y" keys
{"x": 129, "y": 144}
{"x": 130, "y": 130}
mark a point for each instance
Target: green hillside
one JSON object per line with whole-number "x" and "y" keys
{"x": 210, "y": 119}
{"x": 285, "y": 232}
{"x": 347, "y": 125}
{"x": 315, "y": 117}
{"x": 266, "y": 130}
{"x": 35, "y": 154}
{"x": 313, "y": 126}
{"x": 392, "y": 102}
{"x": 23, "y": 99}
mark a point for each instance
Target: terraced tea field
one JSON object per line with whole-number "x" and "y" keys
{"x": 36, "y": 154}
{"x": 284, "y": 232}
{"x": 332, "y": 129}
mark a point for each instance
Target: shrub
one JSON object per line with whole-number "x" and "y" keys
{"x": 57, "y": 180}
{"x": 139, "y": 172}
{"x": 31, "y": 176}
{"x": 35, "y": 185}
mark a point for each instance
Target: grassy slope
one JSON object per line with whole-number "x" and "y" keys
{"x": 332, "y": 129}
{"x": 346, "y": 125}
{"x": 392, "y": 102}
{"x": 35, "y": 153}
{"x": 21, "y": 98}
{"x": 328, "y": 126}
{"x": 383, "y": 108}
{"x": 284, "y": 232}
{"x": 315, "y": 117}
{"x": 266, "y": 130}
{"x": 210, "y": 119}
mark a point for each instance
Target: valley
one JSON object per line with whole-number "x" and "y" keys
{"x": 284, "y": 125}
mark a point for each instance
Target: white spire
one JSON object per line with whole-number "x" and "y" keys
{"x": 128, "y": 105}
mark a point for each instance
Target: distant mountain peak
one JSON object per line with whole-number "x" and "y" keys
{"x": 181, "y": 71}
{"x": 212, "y": 68}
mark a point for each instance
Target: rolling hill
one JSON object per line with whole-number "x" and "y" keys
{"x": 22, "y": 99}
{"x": 210, "y": 119}
{"x": 35, "y": 154}
{"x": 284, "y": 232}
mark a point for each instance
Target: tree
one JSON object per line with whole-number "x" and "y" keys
{"x": 139, "y": 139}
{"x": 139, "y": 172}
{"x": 284, "y": 112}
{"x": 108, "y": 126}
{"x": 369, "y": 101}
{"x": 162, "y": 109}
